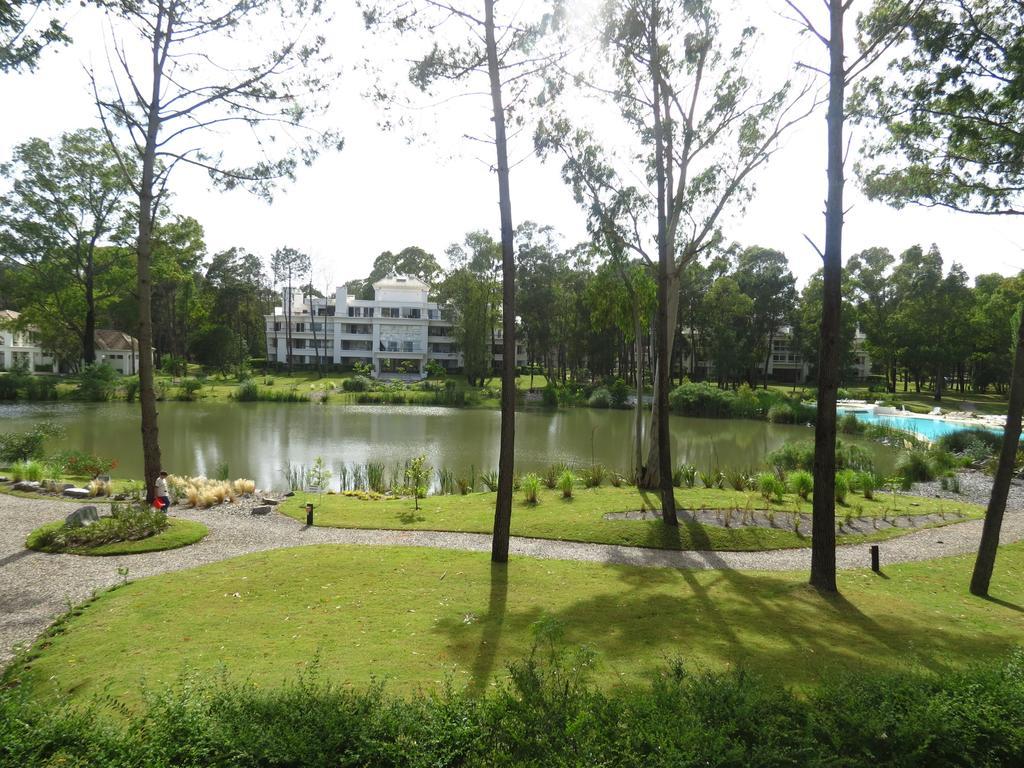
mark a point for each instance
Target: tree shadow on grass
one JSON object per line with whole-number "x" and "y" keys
{"x": 482, "y": 667}
{"x": 774, "y": 625}
{"x": 1003, "y": 603}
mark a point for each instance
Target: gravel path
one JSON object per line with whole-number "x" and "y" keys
{"x": 35, "y": 587}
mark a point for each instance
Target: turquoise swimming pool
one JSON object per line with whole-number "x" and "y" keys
{"x": 931, "y": 429}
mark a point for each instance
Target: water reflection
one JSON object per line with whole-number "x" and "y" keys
{"x": 258, "y": 439}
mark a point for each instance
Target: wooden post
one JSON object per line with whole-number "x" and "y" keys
{"x": 874, "y": 558}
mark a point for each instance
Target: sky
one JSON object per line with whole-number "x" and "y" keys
{"x": 389, "y": 189}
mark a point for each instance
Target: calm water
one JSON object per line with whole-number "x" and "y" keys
{"x": 258, "y": 439}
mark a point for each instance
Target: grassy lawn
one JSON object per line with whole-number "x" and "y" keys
{"x": 581, "y": 518}
{"x": 180, "y": 533}
{"x": 118, "y": 484}
{"x": 416, "y": 617}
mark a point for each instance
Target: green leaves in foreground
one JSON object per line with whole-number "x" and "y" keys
{"x": 547, "y": 713}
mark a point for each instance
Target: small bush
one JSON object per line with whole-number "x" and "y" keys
{"x": 357, "y": 384}
{"x": 801, "y": 482}
{"x": 842, "y": 488}
{"x": 490, "y": 480}
{"x": 782, "y": 413}
{"x": 867, "y": 483}
{"x": 594, "y": 475}
{"x": 188, "y": 389}
{"x": 601, "y": 398}
{"x": 961, "y": 441}
{"x": 685, "y": 476}
{"x": 566, "y": 481}
{"x": 530, "y": 485}
{"x": 553, "y": 473}
{"x": 72, "y": 462}
{"x": 97, "y": 383}
{"x": 247, "y": 392}
{"x": 549, "y": 396}
{"x": 851, "y": 425}
{"x": 769, "y": 486}
{"x": 914, "y": 467}
{"x": 21, "y": 446}
{"x": 738, "y": 480}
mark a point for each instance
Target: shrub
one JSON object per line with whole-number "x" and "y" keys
{"x": 20, "y": 446}
{"x": 131, "y": 388}
{"x": 490, "y": 480}
{"x": 849, "y": 424}
{"x": 129, "y": 522}
{"x": 959, "y": 442}
{"x": 549, "y": 396}
{"x": 619, "y": 391}
{"x": 689, "y": 399}
{"x": 445, "y": 481}
{"x": 769, "y": 486}
{"x": 72, "y": 462}
{"x": 745, "y": 404}
{"x": 31, "y": 469}
{"x": 594, "y": 475}
{"x": 530, "y": 485}
{"x": 738, "y": 480}
{"x": 781, "y": 413}
{"x": 188, "y": 389}
{"x": 792, "y": 455}
{"x": 40, "y": 388}
{"x": 358, "y": 383}
{"x": 868, "y": 484}
{"x": 566, "y": 481}
{"x": 601, "y": 398}
{"x": 553, "y": 473}
{"x": 801, "y": 482}
{"x": 914, "y": 467}
{"x": 247, "y": 392}
{"x": 97, "y": 383}
{"x": 842, "y": 488}
{"x": 685, "y": 476}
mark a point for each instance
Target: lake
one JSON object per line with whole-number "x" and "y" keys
{"x": 257, "y": 440}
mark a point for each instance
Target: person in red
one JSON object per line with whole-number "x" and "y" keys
{"x": 163, "y": 495}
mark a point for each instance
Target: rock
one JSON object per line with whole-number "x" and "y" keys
{"x": 76, "y": 493}
{"x": 121, "y": 497}
{"x": 81, "y": 517}
{"x": 25, "y": 485}
{"x": 65, "y": 486}
{"x": 4, "y": 479}
{"x": 270, "y": 501}
{"x": 290, "y": 493}
{"x": 263, "y": 509}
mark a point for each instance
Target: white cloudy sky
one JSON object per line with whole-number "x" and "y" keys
{"x": 384, "y": 193}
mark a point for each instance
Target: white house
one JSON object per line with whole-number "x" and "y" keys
{"x": 22, "y": 348}
{"x": 396, "y": 332}
{"x": 118, "y": 350}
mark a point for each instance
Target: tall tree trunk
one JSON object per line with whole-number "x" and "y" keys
{"x": 768, "y": 357}
{"x": 823, "y": 523}
{"x": 506, "y": 456}
{"x": 652, "y": 473}
{"x": 665, "y": 313}
{"x": 940, "y": 382}
{"x": 986, "y": 560}
{"x": 144, "y": 255}
{"x": 89, "y": 331}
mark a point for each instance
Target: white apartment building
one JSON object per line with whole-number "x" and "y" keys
{"x": 397, "y": 332}
{"x": 786, "y": 363}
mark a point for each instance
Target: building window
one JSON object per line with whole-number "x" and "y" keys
{"x": 300, "y": 327}
{"x": 390, "y": 312}
{"x": 277, "y": 326}
{"x": 411, "y": 314}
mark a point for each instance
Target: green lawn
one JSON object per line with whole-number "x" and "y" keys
{"x": 582, "y": 517}
{"x": 417, "y": 617}
{"x": 179, "y": 533}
